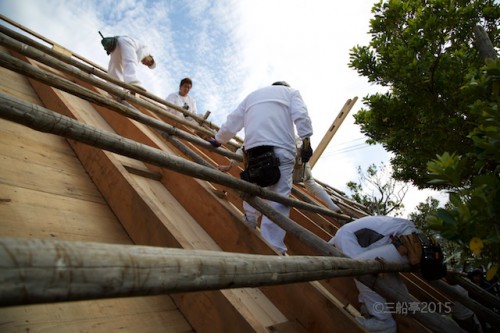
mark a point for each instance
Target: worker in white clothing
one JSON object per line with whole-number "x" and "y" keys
{"x": 372, "y": 237}
{"x": 125, "y": 58}
{"x": 268, "y": 116}
{"x": 183, "y": 99}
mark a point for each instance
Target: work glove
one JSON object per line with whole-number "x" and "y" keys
{"x": 307, "y": 151}
{"x": 214, "y": 142}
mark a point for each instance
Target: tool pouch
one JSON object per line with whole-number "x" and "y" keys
{"x": 263, "y": 166}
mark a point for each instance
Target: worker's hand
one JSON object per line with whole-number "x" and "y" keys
{"x": 307, "y": 151}
{"x": 214, "y": 142}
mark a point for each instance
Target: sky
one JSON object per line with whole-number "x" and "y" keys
{"x": 230, "y": 48}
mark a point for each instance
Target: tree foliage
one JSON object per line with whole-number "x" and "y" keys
{"x": 472, "y": 217}
{"x": 378, "y": 191}
{"x": 422, "y": 51}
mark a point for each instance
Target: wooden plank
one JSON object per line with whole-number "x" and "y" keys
{"x": 16, "y": 85}
{"x": 45, "y": 170}
{"x": 332, "y": 130}
{"x": 138, "y": 314}
{"x": 31, "y": 213}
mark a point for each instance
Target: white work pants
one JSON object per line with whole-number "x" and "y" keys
{"x": 269, "y": 230}
{"x": 375, "y": 304}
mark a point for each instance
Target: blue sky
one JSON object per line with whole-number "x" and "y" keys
{"x": 230, "y": 48}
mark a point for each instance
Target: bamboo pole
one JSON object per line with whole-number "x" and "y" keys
{"x": 122, "y": 94}
{"x": 124, "y": 109}
{"x": 103, "y": 75}
{"x": 186, "y": 150}
{"x": 477, "y": 292}
{"x": 44, "y": 120}
{"x": 480, "y": 310}
{"x": 46, "y": 40}
{"x": 42, "y": 271}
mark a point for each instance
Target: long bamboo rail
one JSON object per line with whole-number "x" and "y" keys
{"x": 53, "y": 62}
{"x": 68, "y": 86}
{"x": 44, "y": 271}
{"x": 44, "y": 120}
{"x": 99, "y": 72}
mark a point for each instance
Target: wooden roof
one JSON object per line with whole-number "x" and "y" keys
{"x": 61, "y": 189}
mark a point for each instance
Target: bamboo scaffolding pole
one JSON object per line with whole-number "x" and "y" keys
{"x": 46, "y": 40}
{"x": 479, "y": 293}
{"x": 42, "y": 271}
{"x": 480, "y": 310}
{"x": 99, "y": 73}
{"x": 186, "y": 150}
{"x": 121, "y": 108}
{"x": 302, "y": 233}
{"x": 50, "y": 61}
{"x": 124, "y": 109}
{"x": 44, "y": 120}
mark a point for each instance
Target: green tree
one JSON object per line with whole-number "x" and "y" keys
{"x": 422, "y": 211}
{"x": 378, "y": 191}
{"x": 422, "y": 51}
{"x": 472, "y": 217}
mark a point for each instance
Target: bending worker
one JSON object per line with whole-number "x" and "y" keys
{"x": 125, "y": 57}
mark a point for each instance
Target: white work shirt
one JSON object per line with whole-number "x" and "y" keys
{"x": 268, "y": 116}
{"x": 182, "y": 101}
{"x": 125, "y": 59}
{"x": 370, "y": 232}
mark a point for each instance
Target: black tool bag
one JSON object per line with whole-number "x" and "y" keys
{"x": 263, "y": 166}
{"x": 109, "y": 43}
{"x": 432, "y": 266}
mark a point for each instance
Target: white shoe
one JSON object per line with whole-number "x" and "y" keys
{"x": 376, "y": 325}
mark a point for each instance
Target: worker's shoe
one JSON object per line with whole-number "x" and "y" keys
{"x": 250, "y": 222}
{"x": 375, "y": 325}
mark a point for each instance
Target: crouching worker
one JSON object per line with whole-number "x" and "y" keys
{"x": 393, "y": 240}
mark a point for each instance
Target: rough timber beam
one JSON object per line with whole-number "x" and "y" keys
{"x": 332, "y": 130}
